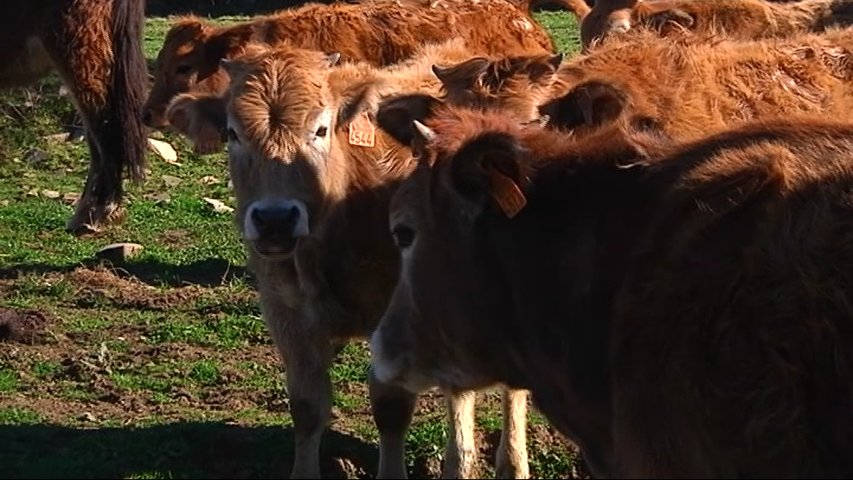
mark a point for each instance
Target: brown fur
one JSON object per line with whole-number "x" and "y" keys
{"x": 678, "y": 310}
{"x": 737, "y": 19}
{"x": 380, "y": 33}
{"x": 96, "y": 46}
{"x": 687, "y": 85}
{"x": 331, "y": 284}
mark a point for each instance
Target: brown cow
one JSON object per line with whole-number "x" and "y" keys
{"x": 380, "y": 33}
{"x": 679, "y": 311}
{"x": 312, "y": 178}
{"x": 96, "y": 46}
{"x": 686, "y": 84}
{"x": 738, "y": 19}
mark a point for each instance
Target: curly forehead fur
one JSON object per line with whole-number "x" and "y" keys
{"x": 274, "y": 91}
{"x": 454, "y": 127}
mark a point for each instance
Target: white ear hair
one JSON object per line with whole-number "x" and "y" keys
{"x": 423, "y": 130}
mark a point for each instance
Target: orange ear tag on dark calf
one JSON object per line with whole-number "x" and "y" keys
{"x": 362, "y": 133}
{"x": 506, "y": 193}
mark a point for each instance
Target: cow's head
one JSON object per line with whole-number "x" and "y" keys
{"x": 615, "y": 17}
{"x": 472, "y": 224}
{"x": 514, "y": 84}
{"x": 189, "y": 61}
{"x": 286, "y": 131}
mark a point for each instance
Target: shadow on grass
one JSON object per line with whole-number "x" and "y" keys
{"x": 176, "y": 450}
{"x": 209, "y": 272}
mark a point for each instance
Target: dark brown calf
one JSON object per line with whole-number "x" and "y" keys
{"x": 677, "y": 310}
{"x": 96, "y": 45}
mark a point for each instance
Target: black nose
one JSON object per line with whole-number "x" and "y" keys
{"x": 275, "y": 220}
{"x": 146, "y": 118}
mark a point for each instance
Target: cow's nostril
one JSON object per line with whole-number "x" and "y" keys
{"x": 276, "y": 219}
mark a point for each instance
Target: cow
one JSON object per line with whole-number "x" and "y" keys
{"x": 678, "y": 309}
{"x": 312, "y": 177}
{"x": 96, "y": 47}
{"x": 687, "y": 84}
{"x": 381, "y": 33}
{"x": 737, "y": 19}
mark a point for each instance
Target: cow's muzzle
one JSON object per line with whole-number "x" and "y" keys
{"x": 274, "y": 227}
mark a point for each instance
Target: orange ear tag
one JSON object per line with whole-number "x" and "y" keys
{"x": 506, "y": 193}
{"x": 362, "y": 133}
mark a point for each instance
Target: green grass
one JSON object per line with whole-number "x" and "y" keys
{"x": 163, "y": 368}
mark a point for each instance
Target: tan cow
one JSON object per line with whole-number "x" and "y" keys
{"x": 678, "y": 310}
{"x": 379, "y": 33}
{"x": 738, "y": 19}
{"x": 312, "y": 178}
{"x": 687, "y": 85}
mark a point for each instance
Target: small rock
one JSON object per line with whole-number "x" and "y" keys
{"x": 171, "y": 181}
{"x": 57, "y": 137}
{"x": 71, "y": 198}
{"x": 158, "y": 197}
{"x": 218, "y": 206}
{"x": 119, "y": 252}
{"x": 4, "y": 203}
{"x": 209, "y": 180}
{"x": 87, "y": 417}
{"x": 33, "y": 192}
{"x": 163, "y": 150}
{"x": 36, "y": 155}
{"x": 50, "y": 194}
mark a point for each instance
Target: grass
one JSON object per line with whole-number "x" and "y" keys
{"x": 163, "y": 368}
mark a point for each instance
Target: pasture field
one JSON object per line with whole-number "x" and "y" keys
{"x": 161, "y": 367}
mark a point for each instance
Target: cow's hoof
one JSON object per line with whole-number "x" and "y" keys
{"x": 89, "y": 219}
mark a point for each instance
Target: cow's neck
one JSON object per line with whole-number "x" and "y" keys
{"x": 575, "y": 260}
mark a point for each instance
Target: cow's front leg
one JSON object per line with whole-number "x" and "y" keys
{"x": 460, "y": 454}
{"x": 307, "y": 357}
{"x": 511, "y": 459}
{"x": 392, "y": 409}
{"x": 307, "y": 362}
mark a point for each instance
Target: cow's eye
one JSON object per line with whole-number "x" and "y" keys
{"x": 183, "y": 69}
{"x": 232, "y": 135}
{"x": 403, "y": 236}
{"x": 321, "y": 132}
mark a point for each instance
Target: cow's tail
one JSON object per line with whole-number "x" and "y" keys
{"x": 128, "y": 88}
{"x": 578, "y": 7}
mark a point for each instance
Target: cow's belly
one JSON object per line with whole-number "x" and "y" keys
{"x": 23, "y": 61}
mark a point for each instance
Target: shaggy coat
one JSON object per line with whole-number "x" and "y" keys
{"x": 687, "y": 85}
{"x": 736, "y": 19}
{"x": 379, "y": 33}
{"x": 678, "y": 310}
{"x": 312, "y": 178}
{"x": 96, "y": 47}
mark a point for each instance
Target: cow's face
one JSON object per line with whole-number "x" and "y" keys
{"x": 514, "y": 84}
{"x": 450, "y": 308}
{"x": 611, "y": 17}
{"x": 188, "y": 61}
{"x": 279, "y": 125}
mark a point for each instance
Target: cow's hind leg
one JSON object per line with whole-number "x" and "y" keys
{"x": 460, "y": 455}
{"x": 392, "y": 409}
{"x": 96, "y": 47}
{"x": 511, "y": 459}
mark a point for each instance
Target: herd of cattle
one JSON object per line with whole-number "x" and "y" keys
{"x": 650, "y": 236}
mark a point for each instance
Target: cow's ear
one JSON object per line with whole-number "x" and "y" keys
{"x": 360, "y": 101}
{"x": 221, "y": 45}
{"x": 396, "y": 115}
{"x": 589, "y": 104}
{"x": 201, "y": 118}
{"x": 463, "y": 73}
{"x": 487, "y": 171}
